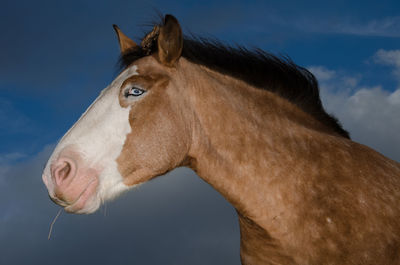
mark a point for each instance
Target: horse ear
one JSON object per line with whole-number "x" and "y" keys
{"x": 125, "y": 43}
{"x": 170, "y": 41}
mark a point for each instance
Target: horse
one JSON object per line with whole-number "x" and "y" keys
{"x": 250, "y": 124}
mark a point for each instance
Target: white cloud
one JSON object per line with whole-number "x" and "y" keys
{"x": 386, "y": 27}
{"x": 395, "y": 97}
{"x": 370, "y": 113}
{"x": 391, "y": 58}
{"x": 322, "y": 73}
{"x": 10, "y": 157}
{"x": 335, "y": 81}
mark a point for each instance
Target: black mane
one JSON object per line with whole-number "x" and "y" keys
{"x": 257, "y": 68}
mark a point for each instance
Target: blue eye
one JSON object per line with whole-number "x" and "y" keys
{"x": 135, "y": 91}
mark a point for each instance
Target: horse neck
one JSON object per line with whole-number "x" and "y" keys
{"x": 245, "y": 139}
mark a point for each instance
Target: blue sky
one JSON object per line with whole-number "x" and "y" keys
{"x": 56, "y": 56}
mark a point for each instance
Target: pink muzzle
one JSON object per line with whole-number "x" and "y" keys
{"x": 71, "y": 184}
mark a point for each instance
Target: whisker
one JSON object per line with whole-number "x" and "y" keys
{"x": 51, "y": 226}
{"x": 103, "y": 206}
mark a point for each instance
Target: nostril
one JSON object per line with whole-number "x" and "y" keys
{"x": 63, "y": 173}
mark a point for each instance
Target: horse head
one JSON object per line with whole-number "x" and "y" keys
{"x": 135, "y": 130}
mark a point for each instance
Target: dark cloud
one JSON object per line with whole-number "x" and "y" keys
{"x": 175, "y": 219}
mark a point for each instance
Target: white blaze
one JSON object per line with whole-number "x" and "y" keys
{"x": 98, "y": 136}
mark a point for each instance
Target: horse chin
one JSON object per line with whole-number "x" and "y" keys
{"x": 87, "y": 202}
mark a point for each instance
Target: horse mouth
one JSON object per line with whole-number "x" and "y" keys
{"x": 85, "y": 201}
{"x": 58, "y": 201}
